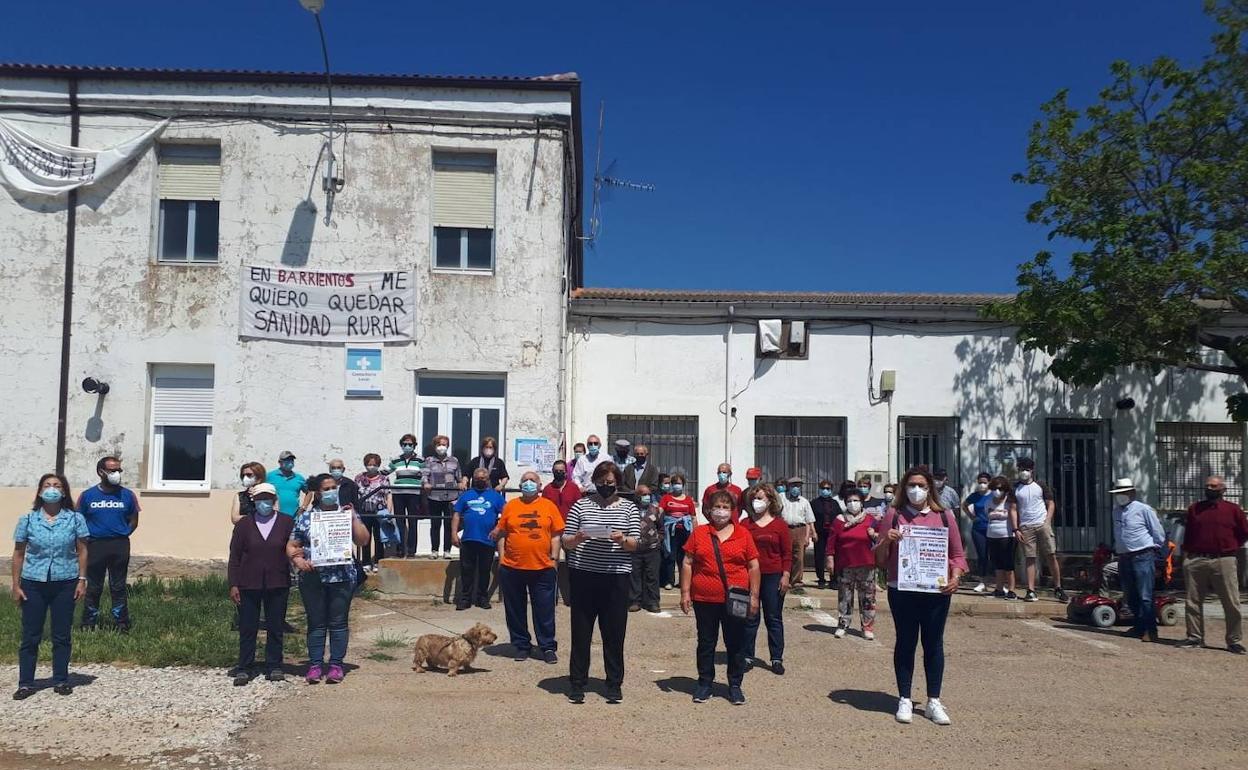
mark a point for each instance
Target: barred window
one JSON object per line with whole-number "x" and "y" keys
{"x": 810, "y": 447}
{"x": 1189, "y": 452}
{"x": 672, "y": 440}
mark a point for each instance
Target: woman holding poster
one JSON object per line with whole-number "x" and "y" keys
{"x": 924, "y": 558}
{"x": 321, "y": 548}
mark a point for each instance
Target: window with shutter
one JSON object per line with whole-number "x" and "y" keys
{"x": 463, "y": 210}
{"x": 181, "y": 426}
{"x": 189, "y": 188}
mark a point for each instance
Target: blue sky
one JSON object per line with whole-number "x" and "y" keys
{"x": 795, "y": 145}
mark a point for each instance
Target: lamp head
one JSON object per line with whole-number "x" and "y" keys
{"x": 315, "y": 6}
{"x": 92, "y": 385}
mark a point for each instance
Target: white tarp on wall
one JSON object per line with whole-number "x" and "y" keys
{"x": 40, "y": 167}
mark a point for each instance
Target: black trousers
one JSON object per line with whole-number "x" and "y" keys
{"x": 644, "y": 585}
{"x": 374, "y": 551}
{"x": 711, "y": 618}
{"x": 475, "y": 561}
{"x": 273, "y": 601}
{"x": 600, "y": 597}
{"x": 111, "y": 556}
{"x": 406, "y": 509}
{"x": 821, "y": 551}
{"x": 439, "y": 527}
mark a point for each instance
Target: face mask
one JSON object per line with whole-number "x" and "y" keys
{"x": 854, "y": 506}
{"x": 795, "y": 492}
{"x": 480, "y": 484}
{"x": 487, "y": 453}
{"x": 287, "y": 465}
{"x": 577, "y": 455}
{"x": 440, "y": 450}
{"x": 665, "y": 488}
{"x": 372, "y": 468}
{"x": 330, "y": 497}
{"x": 407, "y": 448}
{"x": 752, "y": 483}
{"x": 825, "y": 492}
{"x": 645, "y": 500}
{"x": 114, "y": 477}
{"x": 780, "y": 488}
{"x": 723, "y": 477}
{"x": 719, "y": 517}
{"x": 264, "y": 507}
{"x": 559, "y": 476}
{"x": 528, "y": 487}
{"x": 678, "y": 488}
{"x": 917, "y": 495}
{"x": 940, "y": 483}
{"x": 1122, "y": 500}
{"x": 641, "y": 459}
{"x": 998, "y": 493}
{"x": 606, "y": 490}
{"x": 51, "y": 495}
{"x": 864, "y": 491}
{"x": 1213, "y": 494}
{"x": 593, "y": 450}
{"x": 336, "y": 472}
{"x": 249, "y": 481}
{"x": 1024, "y": 476}
{"x": 622, "y": 454}
{"x": 889, "y": 497}
{"x": 983, "y": 486}
{"x": 759, "y": 505}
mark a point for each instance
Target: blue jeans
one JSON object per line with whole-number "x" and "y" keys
{"x": 327, "y": 606}
{"x": 916, "y": 614}
{"x": 1136, "y": 573}
{"x": 519, "y": 588}
{"x": 771, "y": 610}
{"x": 56, "y": 596}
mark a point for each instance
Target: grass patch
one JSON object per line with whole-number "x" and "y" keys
{"x": 386, "y": 642}
{"x": 380, "y": 657}
{"x": 181, "y": 622}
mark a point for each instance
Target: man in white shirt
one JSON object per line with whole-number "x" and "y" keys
{"x": 800, "y": 517}
{"x": 584, "y": 473}
{"x": 1032, "y": 510}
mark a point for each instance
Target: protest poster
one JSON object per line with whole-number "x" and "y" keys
{"x": 922, "y": 558}
{"x": 277, "y": 303}
{"x": 329, "y": 533}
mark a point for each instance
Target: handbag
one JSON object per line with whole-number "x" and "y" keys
{"x": 737, "y": 600}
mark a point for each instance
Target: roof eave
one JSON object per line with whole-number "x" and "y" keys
{"x": 757, "y": 310}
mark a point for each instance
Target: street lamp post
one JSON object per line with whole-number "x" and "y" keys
{"x": 331, "y": 183}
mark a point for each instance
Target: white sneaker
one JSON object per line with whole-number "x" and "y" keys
{"x": 868, "y": 635}
{"x": 839, "y": 633}
{"x": 979, "y": 589}
{"x": 936, "y": 712}
{"x": 905, "y": 710}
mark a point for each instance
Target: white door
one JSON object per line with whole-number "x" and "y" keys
{"x": 467, "y": 408}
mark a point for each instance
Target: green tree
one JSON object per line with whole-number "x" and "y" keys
{"x": 1151, "y": 183}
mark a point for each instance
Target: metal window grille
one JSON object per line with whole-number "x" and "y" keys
{"x": 810, "y": 447}
{"x": 672, "y": 440}
{"x": 1189, "y": 452}
{"x": 930, "y": 441}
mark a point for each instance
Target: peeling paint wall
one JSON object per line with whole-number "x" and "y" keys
{"x": 130, "y": 312}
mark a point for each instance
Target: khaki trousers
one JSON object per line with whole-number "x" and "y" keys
{"x": 1203, "y": 575}
{"x": 799, "y": 538}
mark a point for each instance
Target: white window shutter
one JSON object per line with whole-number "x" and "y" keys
{"x": 184, "y": 401}
{"x": 190, "y": 172}
{"x": 463, "y": 190}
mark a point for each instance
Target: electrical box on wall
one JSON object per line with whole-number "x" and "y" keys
{"x": 878, "y": 479}
{"x": 888, "y": 381}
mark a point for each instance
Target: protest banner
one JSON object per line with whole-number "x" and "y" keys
{"x": 326, "y": 306}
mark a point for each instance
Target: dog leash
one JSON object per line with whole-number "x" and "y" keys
{"x": 397, "y": 611}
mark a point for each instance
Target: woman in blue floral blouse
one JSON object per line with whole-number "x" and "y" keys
{"x": 326, "y": 591}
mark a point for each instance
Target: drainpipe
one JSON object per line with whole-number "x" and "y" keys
{"x": 67, "y": 301}
{"x": 728, "y": 387}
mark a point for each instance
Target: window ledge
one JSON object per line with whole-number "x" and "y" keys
{"x": 187, "y": 263}
{"x": 459, "y": 271}
{"x": 157, "y": 492}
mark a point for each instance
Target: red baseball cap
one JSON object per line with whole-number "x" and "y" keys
{"x": 754, "y": 473}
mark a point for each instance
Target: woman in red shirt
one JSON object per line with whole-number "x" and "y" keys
{"x": 679, "y": 512}
{"x": 851, "y": 536}
{"x": 703, "y": 591}
{"x": 775, "y": 557}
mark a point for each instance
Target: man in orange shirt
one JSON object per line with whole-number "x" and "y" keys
{"x": 528, "y": 543}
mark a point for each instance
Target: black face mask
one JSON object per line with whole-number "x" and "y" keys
{"x": 560, "y": 475}
{"x": 641, "y": 459}
{"x": 480, "y": 486}
{"x": 606, "y": 490}
{"x": 1213, "y": 494}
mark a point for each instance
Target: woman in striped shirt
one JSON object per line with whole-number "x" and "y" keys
{"x": 600, "y": 535}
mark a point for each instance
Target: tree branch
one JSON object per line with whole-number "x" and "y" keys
{"x": 1200, "y": 366}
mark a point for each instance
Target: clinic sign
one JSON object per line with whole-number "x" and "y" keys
{"x": 277, "y": 303}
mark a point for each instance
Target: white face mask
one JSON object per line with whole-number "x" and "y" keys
{"x": 983, "y": 486}
{"x": 759, "y": 505}
{"x": 889, "y": 497}
{"x": 1122, "y": 500}
{"x": 940, "y": 483}
{"x": 998, "y": 493}
{"x": 114, "y": 477}
{"x": 248, "y": 481}
{"x": 917, "y": 495}
{"x": 854, "y": 506}
{"x": 487, "y": 453}
{"x": 440, "y": 450}
{"x": 1024, "y": 476}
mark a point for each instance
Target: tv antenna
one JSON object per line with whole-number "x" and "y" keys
{"x": 604, "y": 181}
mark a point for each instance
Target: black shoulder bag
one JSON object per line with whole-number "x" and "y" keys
{"x": 736, "y": 599}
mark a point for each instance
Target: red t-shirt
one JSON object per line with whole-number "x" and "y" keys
{"x": 675, "y": 509}
{"x": 731, "y": 489}
{"x": 775, "y": 547}
{"x": 564, "y": 498}
{"x": 736, "y": 551}
{"x": 851, "y": 547}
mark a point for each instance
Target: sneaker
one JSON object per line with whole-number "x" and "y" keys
{"x": 1010, "y": 596}
{"x": 822, "y": 584}
{"x": 484, "y": 605}
{"x": 520, "y": 656}
{"x": 22, "y": 693}
{"x": 700, "y": 695}
{"x": 242, "y": 678}
{"x": 936, "y": 712}
{"x": 275, "y": 676}
{"x": 999, "y": 593}
{"x": 1237, "y": 649}
{"x": 63, "y": 689}
{"x": 335, "y": 675}
{"x": 868, "y": 635}
{"x": 667, "y": 586}
{"x": 1031, "y": 597}
{"x": 550, "y": 657}
{"x": 314, "y": 674}
{"x": 446, "y": 555}
{"x": 576, "y": 696}
{"x": 634, "y": 608}
{"x": 777, "y": 667}
{"x": 839, "y": 633}
{"x": 735, "y": 696}
{"x": 1192, "y": 644}
{"x": 613, "y": 695}
{"x": 1060, "y": 595}
{"x": 905, "y": 711}
{"x": 979, "y": 589}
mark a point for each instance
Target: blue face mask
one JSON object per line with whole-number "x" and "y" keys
{"x": 330, "y": 497}
{"x": 678, "y": 488}
{"x": 593, "y": 450}
{"x": 795, "y": 492}
{"x": 645, "y": 499}
{"x": 264, "y": 507}
{"x": 407, "y": 448}
{"x": 723, "y": 477}
{"x": 666, "y": 488}
{"x": 335, "y": 472}
{"x": 51, "y": 495}
{"x": 824, "y": 492}
{"x": 287, "y": 465}
{"x": 528, "y": 487}
{"x": 780, "y": 488}
{"x": 864, "y": 491}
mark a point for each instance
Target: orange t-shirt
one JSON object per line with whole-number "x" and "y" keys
{"x": 527, "y": 529}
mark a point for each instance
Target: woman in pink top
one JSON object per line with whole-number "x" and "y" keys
{"x": 916, "y": 612}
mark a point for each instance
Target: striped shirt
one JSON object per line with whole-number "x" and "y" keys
{"x": 407, "y": 471}
{"x": 601, "y": 554}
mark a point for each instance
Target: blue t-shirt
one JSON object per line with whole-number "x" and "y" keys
{"x": 108, "y": 514}
{"x": 288, "y": 490}
{"x": 980, "y": 502}
{"x": 478, "y": 514}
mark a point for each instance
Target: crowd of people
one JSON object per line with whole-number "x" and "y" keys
{"x": 625, "y": 530}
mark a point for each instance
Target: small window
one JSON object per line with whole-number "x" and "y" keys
{"x": 810, "y": 447}
{"x": 1190, "y": 452}
{"x": 189, "y": 187}
{"x": 181, "y": 425}
{"x": 463, "y": 211}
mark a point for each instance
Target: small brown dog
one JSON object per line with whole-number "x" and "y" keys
{"x": 454, "y": 653}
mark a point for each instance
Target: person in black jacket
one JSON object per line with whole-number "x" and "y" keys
{"x": 825, "y": 507}
{"x": 259, "y": 576}
{"x": 640, "y": 472}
